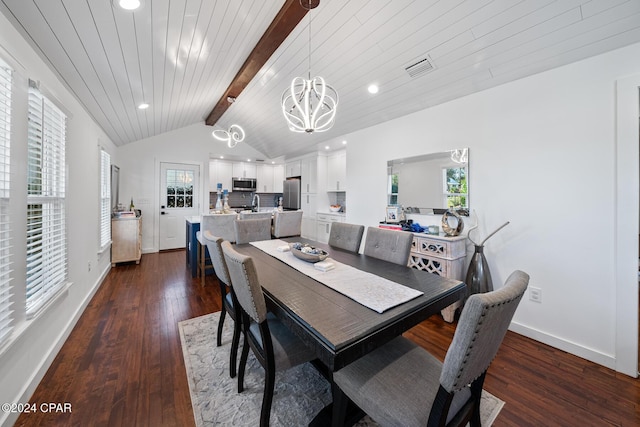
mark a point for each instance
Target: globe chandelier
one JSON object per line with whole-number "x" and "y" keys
{"x": 309, "y": 105}
{"x": 232, "y": 136}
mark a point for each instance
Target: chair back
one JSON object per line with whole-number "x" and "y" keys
{"x": 220, "y": 225}
{"x": 214, "y": 244}
{"x": 480, "y": 331}
{"x": 389, "y": 245}
{"x": 255, "y": 215}
{"x": 244, "y": 277}
{"x": 252, "y": 230}
{"x": 346, "y": 236}
{"x": 287, "y": 223}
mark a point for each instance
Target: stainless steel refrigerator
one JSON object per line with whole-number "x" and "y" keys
{"x": 291, "y": 194}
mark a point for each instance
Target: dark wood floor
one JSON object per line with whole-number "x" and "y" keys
{"x": 123, "y": 365}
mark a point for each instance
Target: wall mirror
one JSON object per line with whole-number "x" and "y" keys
{"x": 430, "y": 183}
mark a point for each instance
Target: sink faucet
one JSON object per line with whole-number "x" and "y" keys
{"x": 256, "y": 202}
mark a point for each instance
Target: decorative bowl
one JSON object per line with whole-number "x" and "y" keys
{"x": 307, "y": 253}
{"x": 335, "y": 208}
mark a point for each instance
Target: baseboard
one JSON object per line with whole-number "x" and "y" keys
{"x": 594, "y": 356}
{"x": 38, "y": 374}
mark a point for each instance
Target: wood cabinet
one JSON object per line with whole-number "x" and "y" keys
{"x": 337, "y": 172}
{"x": 126, "y": 240}
{"x": 444, "y": 256}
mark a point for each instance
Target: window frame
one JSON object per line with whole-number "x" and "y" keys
{"x": 104, "y": 230}
{"x": 7, "y": 318}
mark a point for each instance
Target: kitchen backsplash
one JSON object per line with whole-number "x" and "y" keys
{"x": 241, "y": 198}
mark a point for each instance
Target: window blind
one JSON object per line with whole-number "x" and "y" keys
{"x": 6, "y": 290}
{"x": 46, "y": 216}
{"x": 105, "y": 199}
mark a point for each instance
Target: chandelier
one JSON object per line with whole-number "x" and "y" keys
{"x": 309, "y": 105}
{"x": 460, "y": 155}
{"x": 232, "y": 136}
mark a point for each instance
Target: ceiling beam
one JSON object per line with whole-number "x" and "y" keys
{"x": 285, "y": 21}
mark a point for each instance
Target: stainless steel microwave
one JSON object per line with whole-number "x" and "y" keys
{"x": 243, "y": 184}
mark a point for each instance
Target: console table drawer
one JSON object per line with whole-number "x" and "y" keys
{"x": 449, "y": 249}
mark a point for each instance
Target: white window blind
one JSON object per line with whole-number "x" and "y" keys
{"x": 105, "y": 199}
{"x": 6, "y": 291}
{"x": 46, "y": 222}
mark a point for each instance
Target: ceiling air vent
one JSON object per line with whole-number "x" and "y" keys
{"x": 420, "y": 67}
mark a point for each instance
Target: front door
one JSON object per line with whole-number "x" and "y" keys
{"x": 179, "y": 198}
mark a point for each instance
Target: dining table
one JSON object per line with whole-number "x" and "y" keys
{"x": 338, "y": 328}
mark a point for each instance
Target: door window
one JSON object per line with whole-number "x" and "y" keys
{"x": 179, "y": 189}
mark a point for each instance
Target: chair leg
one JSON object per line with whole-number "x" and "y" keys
{"x": 243, "y": 362}
{"x": 235, "y": 342}
{"x": 267, "y": 398}
{"x": 223, "y": 312}
{"x": 476, "y": 392}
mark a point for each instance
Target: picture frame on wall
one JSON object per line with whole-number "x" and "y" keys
{"x": 393, "y": 214}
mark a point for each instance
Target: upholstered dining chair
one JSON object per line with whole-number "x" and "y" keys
{"x": 252, "y": 230}
{"x": 389, "y": 245}
{"x": 255, "y": 215}
{"x": 275, "y": 346}
{"x": 220, "y": 225}
{"x": 346, "y": 236}
{"x": 229, "y": 304}
{"x": 287, "y": 224}
{"x": 402, "y": 384}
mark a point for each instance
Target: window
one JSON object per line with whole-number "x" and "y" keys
{"x": 179, "y": 188}
{"x": 105, "y": 199}
{"x": 46, "y": 217}
{"x": 455, "y": 187}
{"x": 392, "y": 189}
{"x": 6, "y": 318}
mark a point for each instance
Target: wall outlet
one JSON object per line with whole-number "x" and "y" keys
{"x": 535, "y": 294}
{"x": 89, "y": 266}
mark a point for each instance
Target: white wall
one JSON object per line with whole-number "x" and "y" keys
{"x": 139, "y": 177}
{"x": 35, "y": 343}
{"x": 542, "y": 155}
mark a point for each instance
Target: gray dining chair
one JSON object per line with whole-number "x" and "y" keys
{"x": 287, "y": 224}
{"x": 252, "y": 230}
{"x": 402, "y": 384}
{"x": 389, "y": 245}
{"x": 275, "y": 346}
{"x": 229, "y": 304}
{"x": 220, "y": 225}
{"x": 346, "y": 236}
{"x": 255, "y": 215}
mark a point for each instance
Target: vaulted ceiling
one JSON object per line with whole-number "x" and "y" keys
{"x": 180, "y": 56}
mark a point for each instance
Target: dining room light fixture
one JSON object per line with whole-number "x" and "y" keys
{"x": 460, "y": 155}
{"x": 232, "y": 136}
{"x": 309, "y": 105}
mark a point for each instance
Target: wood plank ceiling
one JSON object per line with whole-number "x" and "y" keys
{"x": 180, "y": 56}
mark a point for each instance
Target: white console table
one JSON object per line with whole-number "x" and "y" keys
{"x": 444, "y": 256}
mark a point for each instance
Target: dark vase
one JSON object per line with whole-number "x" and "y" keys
{"x": 478, "y": 276}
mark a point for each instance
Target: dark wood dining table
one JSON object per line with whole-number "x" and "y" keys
{"x": 339, "y": 329}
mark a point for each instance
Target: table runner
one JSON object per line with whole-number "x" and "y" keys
{"x": 374, "y": 292}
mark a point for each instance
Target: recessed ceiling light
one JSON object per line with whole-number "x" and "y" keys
{"x": 373, "y": 88}
{"x": 143, "y": 106}
{"x": 129, "y": 4}
{"x": 344, "y": 142}
{"x": 222, "y": 157}
{"x": 326, "y": 147}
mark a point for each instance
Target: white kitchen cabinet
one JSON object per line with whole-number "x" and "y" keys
{"x": 337, "y": 172}
{"x": 293, "y": 168}
{"x": 309, "y": 174}
{"x": 244, "y": 170}
{"x": 309, "y": 205}
{"x": 278, "y": 178}
{"x": 308, "y": 228}
{"x": 323, "y": 225}
{"x": 220, "y": 171}
{"x": 264, "y": 180}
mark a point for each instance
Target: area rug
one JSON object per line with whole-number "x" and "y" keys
{"x": 300, "y": 393}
